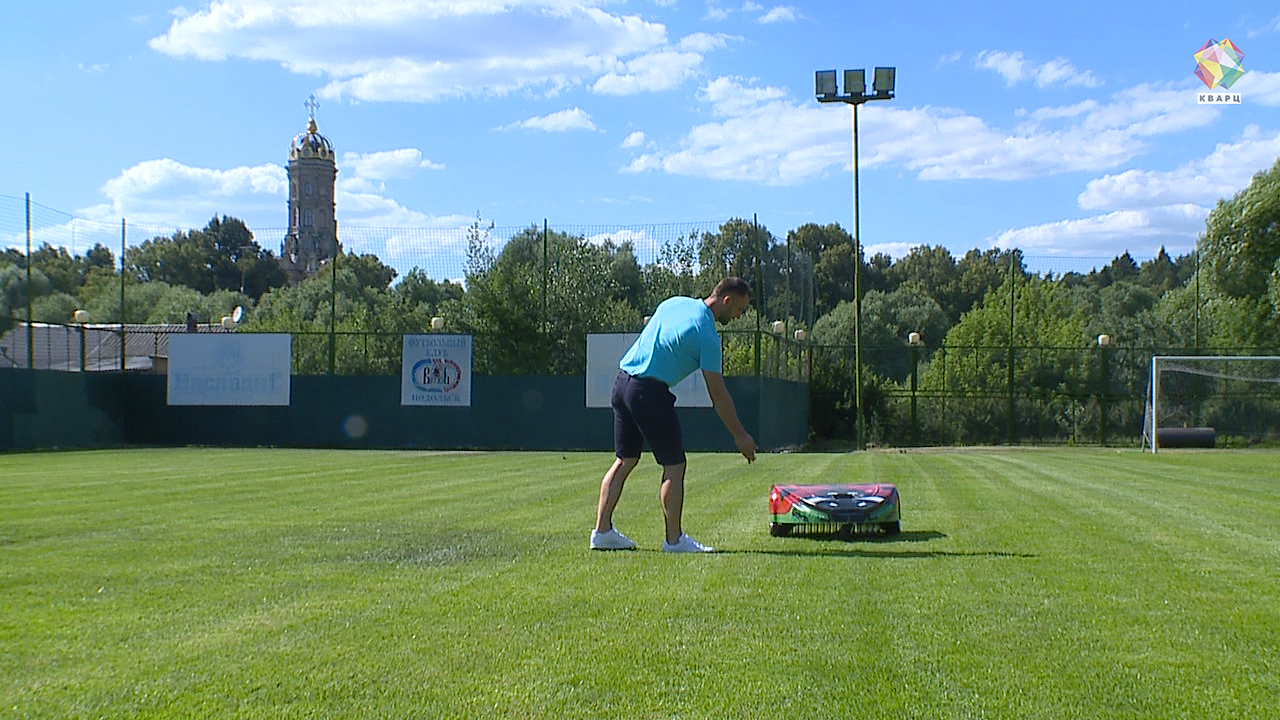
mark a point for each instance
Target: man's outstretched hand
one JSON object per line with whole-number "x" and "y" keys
{"x": 747, "y": 446}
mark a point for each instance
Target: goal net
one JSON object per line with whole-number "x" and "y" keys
{"x": 1212, "y": 401}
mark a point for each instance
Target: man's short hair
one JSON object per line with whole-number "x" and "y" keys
{"x": 732, "y": 286}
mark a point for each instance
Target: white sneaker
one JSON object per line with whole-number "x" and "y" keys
{"x": 686, "y": 544}
{"x": 612, "y": 540}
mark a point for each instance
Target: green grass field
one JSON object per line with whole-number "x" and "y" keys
{"x": 1027, "y": 583}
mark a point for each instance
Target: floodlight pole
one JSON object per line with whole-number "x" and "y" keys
{"x": 826, "y": 91}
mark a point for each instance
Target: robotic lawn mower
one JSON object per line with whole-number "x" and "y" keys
{"x": 839, "y": 510}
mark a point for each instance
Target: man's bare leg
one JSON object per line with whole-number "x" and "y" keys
{"x": 611, "y": 490}
{"x": 671, "y": 493}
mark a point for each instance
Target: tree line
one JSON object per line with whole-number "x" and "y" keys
{"x": 530, "y": 303}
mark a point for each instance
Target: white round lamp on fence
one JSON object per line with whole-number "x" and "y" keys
{"x": 80, "y": 316}
{"x": 779, "y": 327}
{"x": 801, "y": 335}
{"x": 437, "y": 324}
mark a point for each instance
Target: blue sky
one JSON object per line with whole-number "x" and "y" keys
{"x": 1068, "y": 130}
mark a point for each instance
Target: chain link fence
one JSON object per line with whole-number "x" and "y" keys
{"x": 914, "y": 394}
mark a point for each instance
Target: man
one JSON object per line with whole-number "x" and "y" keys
{"x": 679, "y": 338}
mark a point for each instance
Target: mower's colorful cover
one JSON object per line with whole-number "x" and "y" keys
{"x": 834, "y": 509}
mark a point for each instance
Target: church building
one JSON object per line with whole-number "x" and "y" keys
{"x": 313, "y": 230}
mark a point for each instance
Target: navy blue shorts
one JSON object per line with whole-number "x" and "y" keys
{"x": 645, "y": 410}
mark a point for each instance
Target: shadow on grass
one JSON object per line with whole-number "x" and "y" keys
{"x": 836, "y": 546}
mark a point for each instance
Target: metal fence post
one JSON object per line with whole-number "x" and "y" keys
{"x": 123, "y": 344}
{"x": 31, "y": 341}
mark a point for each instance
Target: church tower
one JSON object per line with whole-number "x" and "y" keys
{"x": 313, "y": 229}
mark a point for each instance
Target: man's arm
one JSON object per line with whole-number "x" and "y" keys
{"x": 723, "y": 403}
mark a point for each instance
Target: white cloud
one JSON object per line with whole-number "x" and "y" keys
{"x": 1173, "y": 226}
{"x": 949, "y": 58}
{"x": 651, "y": 72}
{"x": 732, "y": 96}
{"x": 164, "y": 195}
{"x": 1261, "y": 88}
{"x": 372, "y": 209}
{"x": 781, "y": 13}
{"x": 393, "y": 50}
{"x": 387, "y": 164}
{"x": 168, "y": 193}
{"x": 638, "y": 239}
{"x": 1223, "y": 173}
{"x": 1015, "y": 68}
{"x": 764, "y": 137}
{"x": 895, "y": 250}
{"x": 565, "y": 120}
{"x": 635, "y": 139}
{"x": 715, "y": 13}
{"x": 703, "y": 42}
{"x": 1150, "y": 208}
{"x": 1272, "y": 25}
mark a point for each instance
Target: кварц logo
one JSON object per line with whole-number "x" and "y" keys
{"x": 1218, "y": 67}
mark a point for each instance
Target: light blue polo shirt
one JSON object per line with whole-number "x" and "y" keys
{"x": 680, "y": 337}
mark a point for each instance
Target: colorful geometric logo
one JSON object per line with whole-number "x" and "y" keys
{"x": 1218, "y": 64}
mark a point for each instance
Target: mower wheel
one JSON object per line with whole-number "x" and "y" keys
{"x": 779, "y": 529}
{"x": 891, "y": 528}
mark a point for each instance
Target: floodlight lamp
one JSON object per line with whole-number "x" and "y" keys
{"x": 884, "y": 81}
{"x": 779, "y": 327}
{"x": 437, "y": 323}
{"x": 80, "y": 317}
{"x": 801, "y": 335}
{"x": 914, "y": 339}
{"x": 1104, "y": 340}
{"x": 855, "y": 83}
{"x": 824, "y": 84}
{"x": 228, "y": 323}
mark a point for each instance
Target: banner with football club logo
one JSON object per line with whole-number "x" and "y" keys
{"x": 436, "y": 370}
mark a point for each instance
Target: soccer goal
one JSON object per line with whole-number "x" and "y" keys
{"x": 1212, "y": 401}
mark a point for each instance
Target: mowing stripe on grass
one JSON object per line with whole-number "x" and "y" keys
{"x": 265, "y": 583}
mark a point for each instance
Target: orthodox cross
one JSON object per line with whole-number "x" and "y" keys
{"x": 311, "y": 105}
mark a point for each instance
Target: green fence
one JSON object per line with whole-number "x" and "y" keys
{"x": 48, "y": 409}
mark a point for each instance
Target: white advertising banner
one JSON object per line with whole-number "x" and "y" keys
{"x": 605, "y": 350}
{"x": 436, "y": 370}
{"x": 229, "y": 369}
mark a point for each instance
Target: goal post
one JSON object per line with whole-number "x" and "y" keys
{"x": 1192, "y": 399}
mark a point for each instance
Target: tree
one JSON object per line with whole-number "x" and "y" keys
{"x": 1241, "y": 240}
{"x": 1162, "y": 274}
{"x": 1045, "y": 329}
{"x": 64, "y": 273}
{"x": 14, "y": 291}
{"x": 980, "y": 273}
{"x": 369, "y": 271}
{"x": 1120, "y": 269}
{"x": 67, "y": 272}
{"x": 222, "y": 256}
{"x": 887, "y": 321}
{"x": 627, "y": 277}
{"x": 418, "y": 289}
{"x": 181, "y": 259}
{"x": 674, "y": 273}
{"x": 933, "y": 270}
{"x": 732, "y": 250}
{"x": 532, "y": 305}
{"x": 830, "y": 248}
